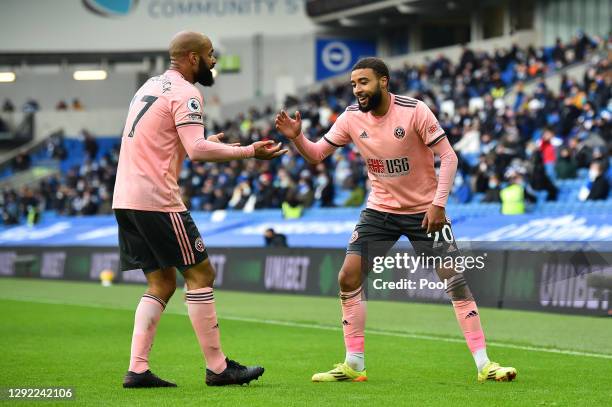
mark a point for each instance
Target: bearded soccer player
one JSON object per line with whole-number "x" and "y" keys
{"x": 398, "y": 137}
{"x": 156, "y": 232}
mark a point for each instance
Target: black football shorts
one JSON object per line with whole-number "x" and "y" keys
{"x": 152, "y": 240}
{"x": 383, "y": 230}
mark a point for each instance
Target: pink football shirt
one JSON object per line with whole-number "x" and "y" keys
{"x": 395, "y": 148}
{"x": 151, "y": 151}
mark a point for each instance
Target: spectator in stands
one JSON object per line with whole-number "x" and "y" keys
{"x": 581, "y": 43}
{"x": 357, "y": 196}
{"x": 465, "y": 94}
{"x": 515, "y": 196}
{"x": 55, "y": 146}
{"x": 10, "y": 207}
{"x": 240, "y": 196}
{"x": 324, "y": 187}
{"x": 539, "y": 179}
{"x": 22, "y": 162}
{"x": 558, "y": 53}
{"x": 600, "y": 187}
{"x": 8, "y": 106}
{"x": 220, "y": 200}
{"x": 77, "y": 105}
{"x": 85, "y": 203}
{"x": 469, "y": 144}
{"x": 90, "y": 144}
{"x": 493, "y": 190}
{"x": 482, "y": 175}
{"x": 30, "y": 106}
{"x": 273, "y": 239}
{"x": 304, "y": 190}
{"x": 548, "y": 149}
{"x": 33, "y": 215}
{"x": 461, "y": 189}
{"x": 566, "y": 167}
{"x": 291, "y": 207}
{"x": 61, "y": 105}
{"x": 266, "y": 195}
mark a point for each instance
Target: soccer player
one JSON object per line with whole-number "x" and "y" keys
{"x": 156, "y": 232}
{"x": 398, "y": 137}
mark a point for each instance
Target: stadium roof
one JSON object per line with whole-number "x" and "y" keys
{"x": 361, "y": 12}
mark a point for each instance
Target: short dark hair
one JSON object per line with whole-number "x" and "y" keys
{"x": 376, "y": 64}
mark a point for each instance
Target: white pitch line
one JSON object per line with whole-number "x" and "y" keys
{"x": 420, "y": 336}
{"x": 334, "y": 328}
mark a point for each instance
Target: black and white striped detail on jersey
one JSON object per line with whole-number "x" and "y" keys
{"x": 331, "y": 142}
{"x": 154, "y": 298}
{"x": 188, "y": 123}
{"x": 200, "y": 297}
{"x": 440, "y": 137}
{"x": 353, "y": 108}
{"x": 405, "y": 101}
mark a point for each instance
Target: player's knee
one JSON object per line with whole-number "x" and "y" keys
{"x": 163, "y": 289}
{"x": 200, "y": 275}
{"x": 349, "y": 279}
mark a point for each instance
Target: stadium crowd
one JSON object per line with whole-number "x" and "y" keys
{"x": 531, "y": 139}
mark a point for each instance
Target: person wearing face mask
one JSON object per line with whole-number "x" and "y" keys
{"x": 600, "y": 187}
{"x": 492, "y": 192}
{"x": 156, "y": 232}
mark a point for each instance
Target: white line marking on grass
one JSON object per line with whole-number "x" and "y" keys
{"x": 331, "y": 328}
{"x": 420, "y": 336}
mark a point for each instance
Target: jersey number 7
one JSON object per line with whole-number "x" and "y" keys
{"x": 149, "y": 100}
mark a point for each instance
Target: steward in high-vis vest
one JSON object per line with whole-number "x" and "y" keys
{"x": 513, "y": 197}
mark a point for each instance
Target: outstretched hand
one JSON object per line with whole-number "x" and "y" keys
{"x": 290, "y": 128}
{"x": 266, "y": 150}
{"x": 217, "y": 138}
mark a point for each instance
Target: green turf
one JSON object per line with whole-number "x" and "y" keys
{"x": 50, "y": 335}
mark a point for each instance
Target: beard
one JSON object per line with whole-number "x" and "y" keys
{"x": 374, "y": 101}
{"x": 204, "y": 76}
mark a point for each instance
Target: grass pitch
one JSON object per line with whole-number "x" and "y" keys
{"x": 55, "y": 333}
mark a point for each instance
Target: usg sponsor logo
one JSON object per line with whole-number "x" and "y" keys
{"x": 53, "y": 264}
{"x": 391, "y": 167}
{"x": 288, "y": 273}
{"x": 110, "y": 8}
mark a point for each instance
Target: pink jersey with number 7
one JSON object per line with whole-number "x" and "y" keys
{"x": 151, "y": 151}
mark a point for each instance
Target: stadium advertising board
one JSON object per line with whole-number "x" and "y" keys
{"x": 552, "y": 281}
